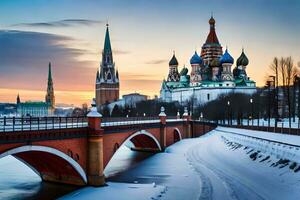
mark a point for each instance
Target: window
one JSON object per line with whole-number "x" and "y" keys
{"x": 208, "y": 96}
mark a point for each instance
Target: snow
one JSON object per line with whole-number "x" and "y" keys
{"x": 227, "y": 163}
{"x": 116, "y": 191}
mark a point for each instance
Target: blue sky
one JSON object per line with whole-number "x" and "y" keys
{"x": 70, "y": 34}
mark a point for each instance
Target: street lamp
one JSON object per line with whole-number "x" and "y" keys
{"x": 251, "y": 102}
{"x": 269, "y": 103}
{"x": 228, "y": 104}
{"x": 203, "y": 124}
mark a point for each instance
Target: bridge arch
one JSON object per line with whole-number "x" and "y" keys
{"x": 31, "y": 154}
{"x": 177, "y": 135}
{"x": 143, "y": 139}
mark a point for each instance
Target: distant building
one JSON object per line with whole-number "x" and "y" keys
{"x": 107, "y": 78}
{"x": 133, "y": 98}
{"x": 34, "y": 109}
{"x": 38, "y": 108}
{"x": 211, "y": 74}
{"x": 128, "y": 100}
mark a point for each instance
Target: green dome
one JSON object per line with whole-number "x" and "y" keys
{"x": 184, "y": 71}
{"x": 242, "y": 60}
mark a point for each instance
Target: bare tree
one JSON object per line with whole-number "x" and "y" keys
{"x": 275, "y": 69}
{"x": 289, "y": 80}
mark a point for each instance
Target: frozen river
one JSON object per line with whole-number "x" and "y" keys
{"x": 224, "y": 164}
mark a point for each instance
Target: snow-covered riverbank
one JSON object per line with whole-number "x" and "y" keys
{"x": 224, "y": 164}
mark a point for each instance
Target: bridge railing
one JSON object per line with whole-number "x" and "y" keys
{"x": 117, "y": 121}
{"x": 11, "y": 124}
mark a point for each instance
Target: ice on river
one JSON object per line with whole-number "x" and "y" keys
{"x": 224, "y": 164}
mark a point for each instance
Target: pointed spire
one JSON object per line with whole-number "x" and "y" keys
{"x": 18, "y": 99}
{"x": 49, "y": 72}
{"x": 117, "y": 74}
{"x": 50, "y": 91}
{"x": 97, "y": 75}
{"x": 212, "y": 36}
{"x": 107, "y": 45}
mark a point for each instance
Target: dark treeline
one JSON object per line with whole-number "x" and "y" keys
{"x": 237, "y": 106}
{"x": 143, "y": 108}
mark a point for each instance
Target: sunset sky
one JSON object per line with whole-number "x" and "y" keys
{"x": 144, "y": 33}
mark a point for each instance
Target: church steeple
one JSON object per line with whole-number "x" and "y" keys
{"x": 107, "y": 45}
{"x": 211, "y": 49}
{"x": 18, "y": 99}
{"x": 107, "y": 78}
{"x": 107, "y": 57}
{"x": 50, "y": 99}
{"x": 212, "y": 36}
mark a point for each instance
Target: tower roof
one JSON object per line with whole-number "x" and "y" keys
{"x": 49, "y": 72}
{"x": 242, "y": 60}
{"x": 212, "y": 36}
{"x": 226, "y": 58}
{"x": 196, "y": 59}
{"x": 173, "y": 60}
{"x": 107, "y": 45}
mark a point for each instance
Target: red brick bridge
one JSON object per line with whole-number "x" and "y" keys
{"x": 76, "y": 150}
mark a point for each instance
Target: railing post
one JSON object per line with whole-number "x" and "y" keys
{"x": 95, "y": 161}
{"x": 4, "y": 123}
{"x": 13, "y": 123}
{"x": 30, "y": 123}
{"x": 163, "y": 129}
{"x": 186, "y": 123}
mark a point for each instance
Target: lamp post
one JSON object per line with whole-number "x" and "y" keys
{"x": 251, "y": 102}
{"x": 228, "y": 104}
{"x": 203, "y": 124}
{"x": 269, "y": 102}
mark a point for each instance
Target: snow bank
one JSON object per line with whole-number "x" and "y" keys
{"x": 117, "y": 191}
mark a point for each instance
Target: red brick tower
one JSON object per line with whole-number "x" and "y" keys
{"x": 107, "y": 80}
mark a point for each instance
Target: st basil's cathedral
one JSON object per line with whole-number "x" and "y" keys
{"x": 211, "y": 74}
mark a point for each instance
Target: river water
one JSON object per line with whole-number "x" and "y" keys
{"x": 18, "y": 181}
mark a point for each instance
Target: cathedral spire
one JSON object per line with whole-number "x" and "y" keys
{"x": 212, "y": 36}
{"x": 50, "y": 91}
{"x": 49, "y": 73}
{"x": 18, "y": 99}
{"x": 107, "y": 45}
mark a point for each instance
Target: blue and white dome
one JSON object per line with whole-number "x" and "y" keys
{"x": 196, "y": 59}
{"x": 226, "y": 58}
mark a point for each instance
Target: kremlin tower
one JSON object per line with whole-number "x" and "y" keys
{"x": 107, "y": 78}
{"x": 50, "y": 98}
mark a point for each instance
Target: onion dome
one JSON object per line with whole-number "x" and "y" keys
{"x": 215, "y": 63}
{"x": 184, "y": 71}
{"x": 226, "y": 58}
{"x": 173, "y": 61}
{"x": 242, "y": 60}
{"x": 196, "y": 59}
{"x": 212, "y": 36}
{"x": 211, "y": 21}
